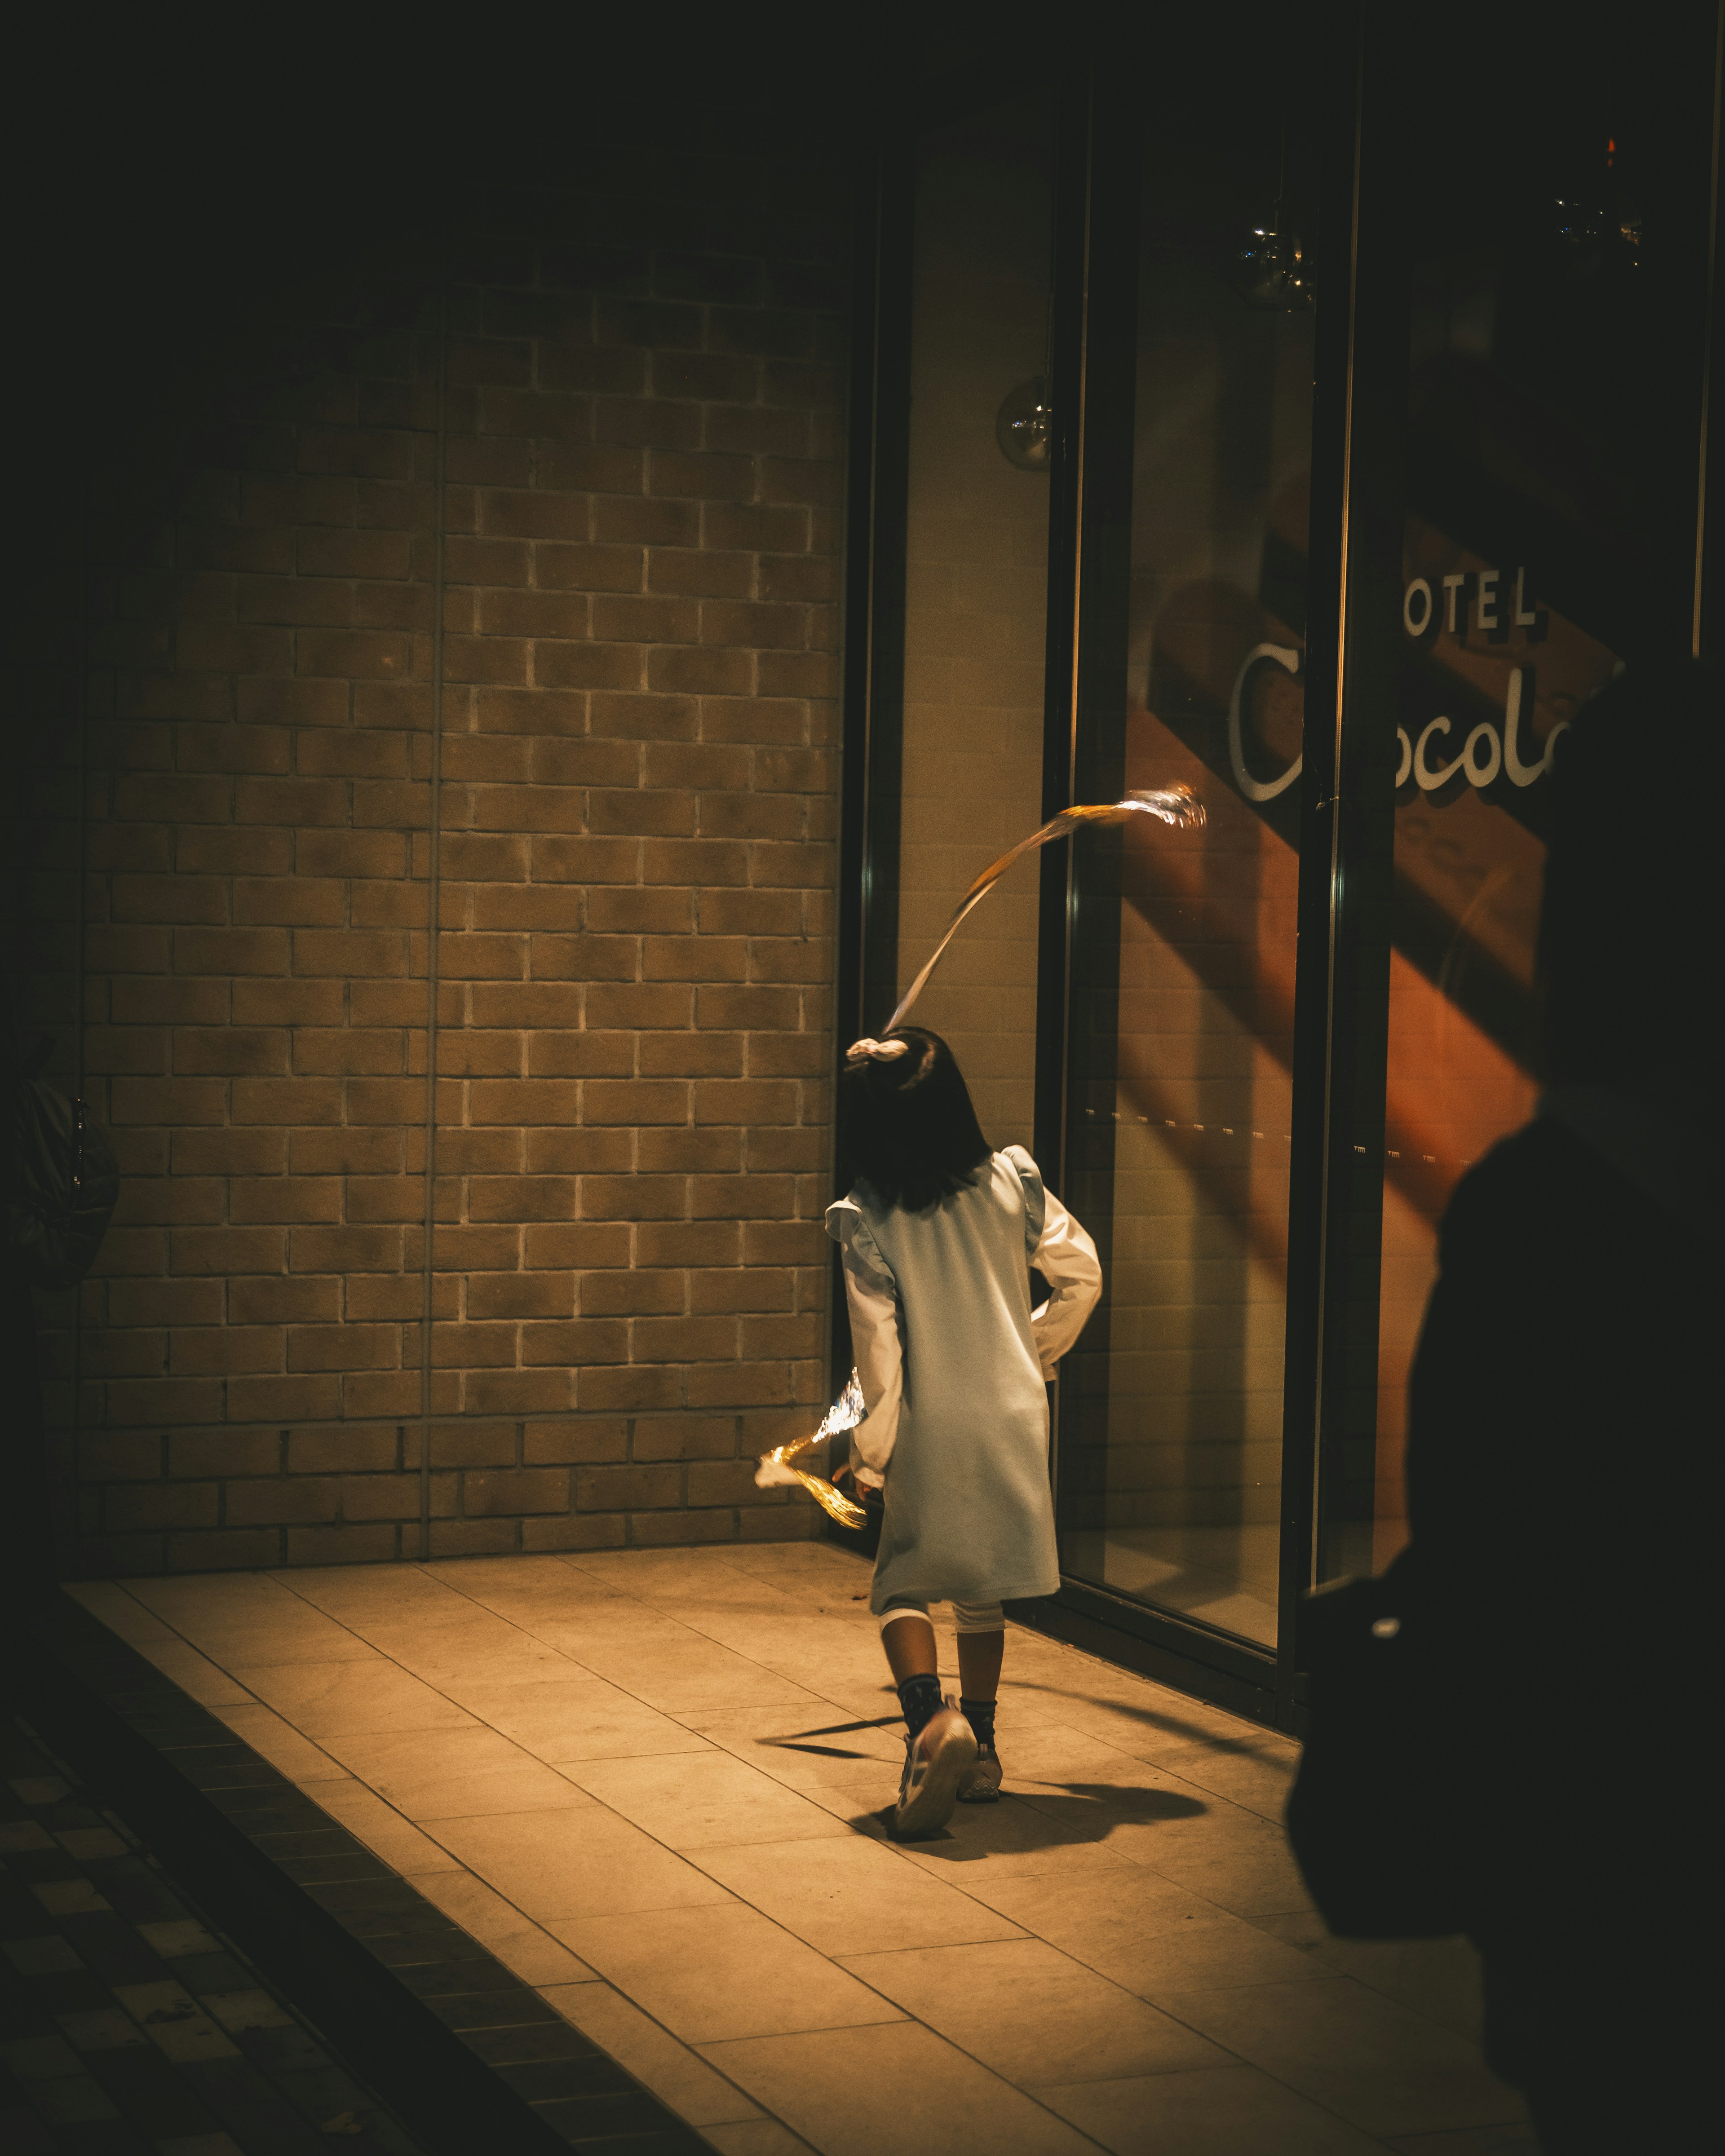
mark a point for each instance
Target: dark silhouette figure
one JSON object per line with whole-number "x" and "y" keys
{"x": 1564, "y": 1435}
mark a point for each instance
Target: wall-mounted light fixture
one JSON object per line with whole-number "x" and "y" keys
{"x": 1024, "y": 426}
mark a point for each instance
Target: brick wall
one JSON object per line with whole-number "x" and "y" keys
{"x": 583, "y": 447}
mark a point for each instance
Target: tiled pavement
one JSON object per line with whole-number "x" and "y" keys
{"x": 650, "y": 1783}
{"x": 126, "y": 2027}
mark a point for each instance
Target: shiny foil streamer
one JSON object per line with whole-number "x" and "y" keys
{"x": 1175, "y": 805}
{"x": 1178, "y": 806}
{"x": 775, "y": 1471}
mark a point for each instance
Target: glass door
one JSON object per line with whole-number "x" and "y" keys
{"x": 1556, "y": 369}
{"x": 1338, "y": 526}
{"x": 1181, "y": 1131}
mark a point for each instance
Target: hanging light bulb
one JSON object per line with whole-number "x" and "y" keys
{"x": 1024, "y": 426}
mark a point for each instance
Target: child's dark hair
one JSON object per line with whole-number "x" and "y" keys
{"x": 907, "y": 1124}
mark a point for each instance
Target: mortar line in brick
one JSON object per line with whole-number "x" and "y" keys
{"x": 434, "y": 894}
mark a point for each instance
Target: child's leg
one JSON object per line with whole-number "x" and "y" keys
{"x": 982, "y": 1645}
{"x": 908, "y": 1638}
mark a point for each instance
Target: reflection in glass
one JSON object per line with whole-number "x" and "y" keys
{"x": 1171, "y": 1434}
{"x": 1555, "y": 370}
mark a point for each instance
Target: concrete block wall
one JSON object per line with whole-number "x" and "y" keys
{"x": 489, "y": 584}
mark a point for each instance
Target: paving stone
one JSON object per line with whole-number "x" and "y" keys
{"x": 123, "y": 2014}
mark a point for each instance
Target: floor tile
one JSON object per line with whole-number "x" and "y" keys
{"x": 852, "y": 1898}
{"x": 479, "y": 1577}
{"x": 567, "y": 1865}
{"x": 341, "y": 1589}
{"x": 328, "y": 1699}
{"x": 522, "y": 1946}
{"x": 1372, "y": 2062}
{"x": 1232, "y": 1858}
{"x": 1036, "y": 1748}
{"x": 681, "y": 1675}
{"x": 763, "y": 1628}
{"x": 714, "y": 1974}
{"x": 1143, "y": 1718}
{"x": 447, "y": 1658}
{"x": 1031, "y": 2013}
{"x": 755, "y": 2136}
{"x": 1145, "y": 1933}
{"x": 287, "y": 1751}
{"x": 1215, "y": 2111}
{"x": 101, "y": 2029}
{"x": 812, "y": 1565}
{"x": 1516, "y": 2140}
{"x": 676, "y": 2075}
{"x": 652, "y": 1781}
{"x": 174, "y": 2022}
{"x": 454, "y": 1773}
{"x": 803, "y": 1750}
{"x": 692, "y": 1799}
{"x": 673, "y": 1576}
{"x": 1257, "y": 1777}
{"x": 446, "y": 1642}
{"x": 249, "y": 1617}
{"x": 119, "y": 1609}
{"x": 1438, "y": 1978}
{"x": 896, "y": 2088}
{"x": 1060, "y": 1833}
{"x": 306, "y": 1635}
{"x": 195, "y": 1674}
{"x": 577, "y": 1716}
{"x": 555, "y": 1598}
{"x": 381, "y": 1827}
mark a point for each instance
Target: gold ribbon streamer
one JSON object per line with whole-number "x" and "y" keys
{"x": 775, "y": 1471}
{"x": 1176, "y": 805}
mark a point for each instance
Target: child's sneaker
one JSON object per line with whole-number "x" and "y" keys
{"x": 980, "y": 1782}
{"x": 936, "y": 1760}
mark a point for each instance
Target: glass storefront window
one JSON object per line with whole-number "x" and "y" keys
{"x": 1554, "y": 367}
{"x": 1486, "y": 376}
{"x": 1171, "y": 1420}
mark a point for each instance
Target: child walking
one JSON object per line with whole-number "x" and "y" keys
{"x": 939, "y": 1233}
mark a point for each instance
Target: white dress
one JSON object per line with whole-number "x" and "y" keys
{"x": 953, "y": 1365}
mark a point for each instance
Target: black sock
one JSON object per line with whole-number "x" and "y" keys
{"x": 921, "y": 1699}
{"x": 979, "y": 1713}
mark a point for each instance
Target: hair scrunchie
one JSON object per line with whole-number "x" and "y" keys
{"x": 875, "y": 1051}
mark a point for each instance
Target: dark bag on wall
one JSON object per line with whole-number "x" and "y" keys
{"x": 1373, "y": 1816}
{"x": 62, "y": 1183}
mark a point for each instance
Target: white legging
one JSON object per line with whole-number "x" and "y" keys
{"x": 967, "y": 1616}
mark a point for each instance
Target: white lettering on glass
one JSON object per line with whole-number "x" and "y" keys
{"x": 1488, "y": 749}
{"x": 1418, "y": 590}
{"x": 1520, "y": 774}
{"x": 1258, "y": 789}
{"x": 1481, "y": 773}
{"x": 1427, "y": 779}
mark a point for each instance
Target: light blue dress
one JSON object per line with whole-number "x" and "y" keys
{"x": 969, "y": 1514}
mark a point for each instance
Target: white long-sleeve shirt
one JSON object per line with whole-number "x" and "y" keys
{"x": 1065, "y": 1257}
